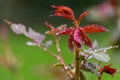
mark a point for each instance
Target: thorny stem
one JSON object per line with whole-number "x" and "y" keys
{"x": 47, "y": 51}
{"x": 77, "y": 64}
{"x": 60, "y": 58}
{"x": 57, "y": 46}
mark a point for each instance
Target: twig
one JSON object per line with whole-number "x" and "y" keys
{"x": 60, "y": 58}
{"x": 47, "y": 51}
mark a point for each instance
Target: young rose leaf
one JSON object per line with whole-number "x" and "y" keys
{"x": 30, "y": 43}
{"x": 94, "y": 28}
{"x": 17, "y": 28}
{"x": 54, "y": 31}
{"x": 63, "y": 11}
{"x": 77, "y": 38}
{"x": 35, "y": 36}
{"x": 47, "y": 43}
{"x": 49, "y": 25}
{"x": 85, "y": 39}
{"x": 109, "y": 70}
{"x": 101, "y": 56}
{"x": 66, "y": 31}
{"x": 21, "y": 29}
{"x": 83, "y": 15}
{"x": 94, "y": 46}
{"x": 102, "y": 51}
{"x": 91, "y": 67}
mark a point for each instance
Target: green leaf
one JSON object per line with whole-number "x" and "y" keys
{"x": 102, "y": 57}
{"x": 101, "y": 54}
{"x": 91, "y": 67}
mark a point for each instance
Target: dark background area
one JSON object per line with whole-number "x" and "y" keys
{"x": 36, "y": 12}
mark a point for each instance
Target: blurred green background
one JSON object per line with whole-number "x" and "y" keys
{"x": 34, "y": 63}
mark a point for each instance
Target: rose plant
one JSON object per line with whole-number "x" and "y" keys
{"x": 76, "y": 41}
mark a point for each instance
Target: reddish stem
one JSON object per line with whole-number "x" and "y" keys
{"x": 60, "y": 58}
